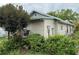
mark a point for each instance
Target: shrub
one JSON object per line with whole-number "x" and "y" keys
{"x": 35, "y": 42}
{"x": 75, "y": 35}
{"x": 55, "y": 45}
{"x": 59, "y": 44}
{"x": 14, "y": 52}
{"x": 11, "y": 45}
{"x": 2, "y": 42}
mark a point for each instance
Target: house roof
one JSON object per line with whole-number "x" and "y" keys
{"x": 46, "y": 16}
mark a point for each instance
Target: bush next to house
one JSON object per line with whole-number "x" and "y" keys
{"x": 3, "y": 40}
{"x": 10, "y": 46}
{"x": 75, "y": 35}
{"x": 35, "y": 42}
{"x": 53, "y": 45}
{"x": 59, "y": 44}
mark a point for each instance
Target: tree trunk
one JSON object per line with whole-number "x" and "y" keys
{"x": 8, "y": 35}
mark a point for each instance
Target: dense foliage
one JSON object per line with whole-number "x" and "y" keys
{"x": 75, "y": 35}
{"x": 55, "y": 45}
{"x": 36, "y": 42}
{"x": 65, "y": 14}
{"x": 60, "y": 45}
{"x": 76, "y": 25}
{"x": 9, "y": 46}
{"x": 13, "y": 18}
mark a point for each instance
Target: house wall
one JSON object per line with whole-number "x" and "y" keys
{"x": 51, "y": 24}
{"x": 40, "y": 27}
{"x": 36, "y": 27}
{"x": 56, "y": 28}
{"x": 63, "y": 30}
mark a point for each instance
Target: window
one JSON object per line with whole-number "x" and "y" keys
{"x": 52, "y": 30}
{"x": 35, "y": 14}
{"x": 67, "y": 29}
{"x": 61, "y": 27}
{"x": 48, "y": 29}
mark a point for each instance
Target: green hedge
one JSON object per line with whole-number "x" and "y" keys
{"x": 60, "y": 44}
{"x": 11, "y": 45}
{"x": 53, "y": 45}
{"x": 75, "y": 35}
{"x": 35, "y": 42}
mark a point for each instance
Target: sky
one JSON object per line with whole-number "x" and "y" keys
{"x": 46, "y": 7}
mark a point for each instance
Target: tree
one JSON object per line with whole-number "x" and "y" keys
{"x": 13, "y": 18}
{"x": 65, "y": 14}
{"x": 76, "y": 25}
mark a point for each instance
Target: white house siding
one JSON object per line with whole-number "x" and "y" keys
{"x": 40, "y": 27}
{"x": 62, "y": 30}
{"x": 36, "y": 27}
{"x": 51, "y": 24}
{"x": 56, "y": 28}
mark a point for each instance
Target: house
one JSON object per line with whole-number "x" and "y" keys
{"x": 47, "y": 25}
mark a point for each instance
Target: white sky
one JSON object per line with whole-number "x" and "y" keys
{"x": 46, "y": 7}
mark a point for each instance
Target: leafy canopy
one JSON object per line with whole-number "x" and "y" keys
{"x": 65, "y": 14}
{"x": 13, "y": 17}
